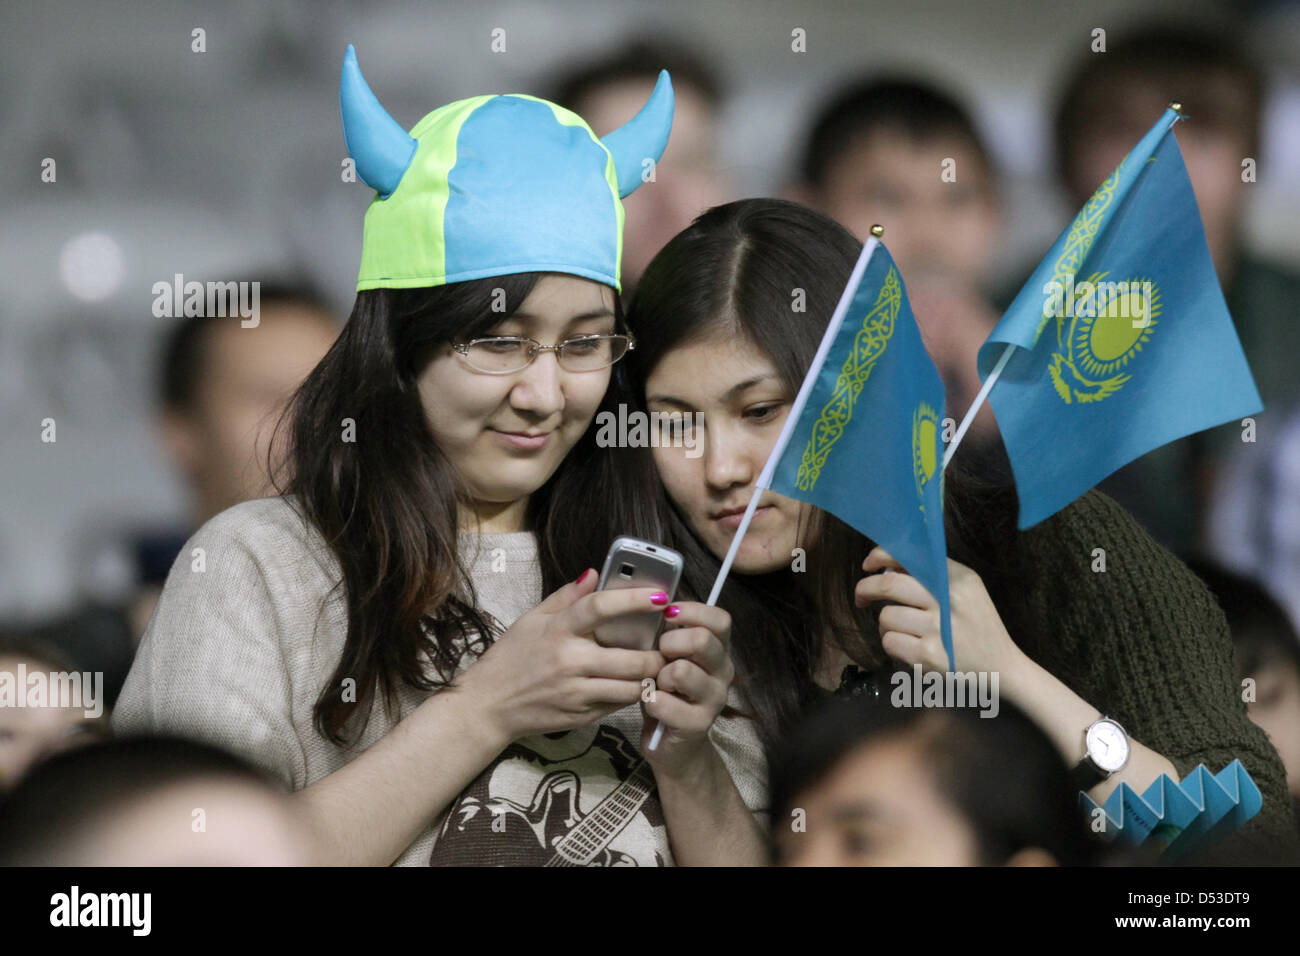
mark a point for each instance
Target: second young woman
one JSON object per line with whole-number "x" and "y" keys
{"x": 1142, "y": 643}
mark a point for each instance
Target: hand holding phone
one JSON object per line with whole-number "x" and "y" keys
{"x": 633, "y": 563}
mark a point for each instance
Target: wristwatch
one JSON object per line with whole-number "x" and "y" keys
{"x": 1107, "y": 747}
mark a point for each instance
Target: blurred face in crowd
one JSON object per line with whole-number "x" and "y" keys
{"x": 881, "y": 806}
{"x": 246, "y": 376}
{"x": 687, "y": 178}
{"x": 1213, "y": 147}
{"x": 507, "y": 434}
{"x": 877, "y": 807}
{"x": 214, "y": 822}
{"x": 30, "y": 734}
{"x": 935, "y": 229}
{"x": 744, "y": 402}
{"x": 1276, "y": 709}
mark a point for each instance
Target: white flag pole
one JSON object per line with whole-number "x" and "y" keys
{"x": 975, "y": 405}
{"x": 796, "y": 409}
{"x": 791, "y": 421}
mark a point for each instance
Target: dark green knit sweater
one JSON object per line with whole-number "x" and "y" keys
{"x": 1146, "y": 643}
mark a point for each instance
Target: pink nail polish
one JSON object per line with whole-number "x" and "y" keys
{"x": 583, "y": 576}
{"x": 672, "y": 611}
{"x": 659, "y": 598}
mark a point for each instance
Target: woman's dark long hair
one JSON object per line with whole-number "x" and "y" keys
{"x": 386, "y": 500}
{"x": 738, "y": 271}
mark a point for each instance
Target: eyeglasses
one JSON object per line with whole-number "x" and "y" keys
{"x": 503, "y": 354}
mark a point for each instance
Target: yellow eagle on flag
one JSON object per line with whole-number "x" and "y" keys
{"x": 1101, "y": 337}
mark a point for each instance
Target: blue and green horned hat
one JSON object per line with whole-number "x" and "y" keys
{"x": 494, "y": 185}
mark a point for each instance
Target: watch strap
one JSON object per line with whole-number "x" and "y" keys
{"x": 1086, "y": 774}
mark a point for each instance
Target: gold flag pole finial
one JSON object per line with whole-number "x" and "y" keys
{"x": 877, "y": 230}
{"x": 1177, "y": 108}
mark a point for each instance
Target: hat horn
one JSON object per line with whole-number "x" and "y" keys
{"x": 642, "y": 137}
{"x": 377, "y": 143}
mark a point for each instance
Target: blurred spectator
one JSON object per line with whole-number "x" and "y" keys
{"x": 223, "y": 387}
{"x": 901, "y": 153}
{"x": 863, "y": 783}
{"x": 1266, "y": 651}
{"x": 30, "y": 734}
{"x": 93, "y": 637}
{"x": 1108, "y": 104}
{"x": 689, "y": 178}
{"x": 148, "y": 802}
{"x": 1254, "y": 522}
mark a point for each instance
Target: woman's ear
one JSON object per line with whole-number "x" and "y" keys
{"x": 1031, "y": 856}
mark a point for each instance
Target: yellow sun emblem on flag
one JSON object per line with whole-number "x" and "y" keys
{"x": 1111, "y": 323}
{"x": 925, "y": 448}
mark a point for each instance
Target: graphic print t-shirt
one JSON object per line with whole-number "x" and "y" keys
{"x": 585, "y": 797}
{"x": 237, "y": 655}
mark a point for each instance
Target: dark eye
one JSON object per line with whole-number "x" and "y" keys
{"x": 582, "y": 346}
{"x": 762, "y": 413}
{"x": 498, "y": 346}
{"x": 855, "y": 843}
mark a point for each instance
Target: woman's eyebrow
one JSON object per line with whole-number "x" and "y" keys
{"x": 738, "y": 389}
{"x": 748, "y": 383}
{"x": 850, "y": 811}
{"x": 731, "y": 393}
{"x": 666, "y": 400}
{"x": 601, "y": 313}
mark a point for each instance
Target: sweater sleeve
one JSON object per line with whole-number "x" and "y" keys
{"x": 1145, "y": 642}
{"x": 210, "y": 666}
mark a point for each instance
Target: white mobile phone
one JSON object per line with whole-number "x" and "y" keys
{"x": 633, "y": 563}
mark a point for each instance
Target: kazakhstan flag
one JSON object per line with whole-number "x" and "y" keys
{"x": 863, "y": 440}
{"x": 1120, "y": 341}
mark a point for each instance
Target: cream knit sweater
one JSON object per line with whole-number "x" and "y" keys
{"x": 249, "y": 629}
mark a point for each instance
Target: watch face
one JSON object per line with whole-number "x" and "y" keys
{"x": 1107, "y": 745}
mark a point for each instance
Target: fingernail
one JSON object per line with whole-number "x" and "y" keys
{"x": 583, "y": 576}
{"x": 672, "y": 611}
{"x": 659, "y": 598}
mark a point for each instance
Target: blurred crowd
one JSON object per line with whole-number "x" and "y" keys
{"x": 1226, "y": 500}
